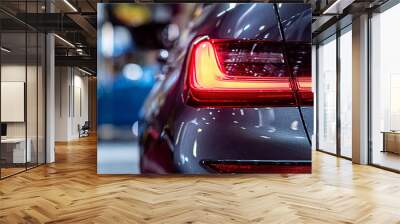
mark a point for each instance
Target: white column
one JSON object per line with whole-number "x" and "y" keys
{"x": 50, "y": 99}
{"x": 360, "y": 90}
{"x": 50, "y": 92}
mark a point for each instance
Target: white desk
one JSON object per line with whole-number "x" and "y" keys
{"x": 19, "y": 154}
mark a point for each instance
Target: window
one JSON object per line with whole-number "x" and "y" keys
{"x": 345, "y": 93}
{"x": 327, "y": 95}
{"x": 385, "y": 89}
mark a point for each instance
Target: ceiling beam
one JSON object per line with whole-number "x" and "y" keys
{"x": 337, "y": 7}
{"x": 84, "y": 24}
{"x": 81, "y": 61}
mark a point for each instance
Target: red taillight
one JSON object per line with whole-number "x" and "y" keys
{"x": 240, "y": 73}
{"x": 305, "y": 91}
{"x": 257, "y": 167}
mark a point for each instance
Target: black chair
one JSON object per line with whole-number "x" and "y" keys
{"x": 84, "y": 130}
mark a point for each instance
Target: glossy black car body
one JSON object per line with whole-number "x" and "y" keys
{"x": 178, "y": 138}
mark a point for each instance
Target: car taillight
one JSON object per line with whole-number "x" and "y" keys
{"x": 257, "y": 166}
{"x": 241, "y": 73}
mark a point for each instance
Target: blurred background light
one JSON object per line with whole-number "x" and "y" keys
{"x": 133, "y": 14}
{"x": 111, "y": 48}
{"x": 132, "y": 71}
{"x": 135, "y": 128}
{"x": 164, "y": 54}
{"x": 107, "y": 39}
{"x": 173, "y": 32}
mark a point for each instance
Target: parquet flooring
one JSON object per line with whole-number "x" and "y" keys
{"x": 70, "y": 191}
{"x": 10, "y": 171}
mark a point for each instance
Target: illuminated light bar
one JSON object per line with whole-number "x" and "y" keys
{"x": 64, "y": 40}
{"x": 84, "y": 71}
{"x": 337, "y": 7}
{"x": 70, "y": 5}
{"x": 5, "y": 50}
{"x": 240, "y": 73}
{"x": 240, "y": 166}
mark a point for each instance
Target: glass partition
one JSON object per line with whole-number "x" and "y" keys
{"x": 327, "y": 95}
{"x": 41, "y": 97}
{"x": 14, "y": 153}
{"x": 22, "y": 88}
{"x": 32, "y": 96}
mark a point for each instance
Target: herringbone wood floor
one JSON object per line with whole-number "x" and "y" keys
{"x": 70, "y": 191}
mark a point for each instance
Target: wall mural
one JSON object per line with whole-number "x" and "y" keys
{"x": 204, "y": 88}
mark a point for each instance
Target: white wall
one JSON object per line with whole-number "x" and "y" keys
{"x": 33, "y": 126}
{"x": 71, "y": 102}
{"x": 62, "y": 82}
{"x": 12, "y": 73}
{"x": 79, "y": 110}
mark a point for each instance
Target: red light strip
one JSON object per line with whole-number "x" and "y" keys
{"x": 260, "y": 168}
{"x": 208, "y": 74}
{"x": 209, "y": 85}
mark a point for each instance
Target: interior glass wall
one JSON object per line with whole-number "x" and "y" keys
{"x": 41, "y": 97}
{"x": 22, "y": 88}
{"x": 13, "y": 89}
{"x": 31, "y": 100}
{"x": 385, "y": 89}
{"x": 334, "y": 85}
{"x": 345, "y": 93}
{"x": 326, "y": 108}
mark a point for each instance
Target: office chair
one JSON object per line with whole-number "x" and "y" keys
{"x": 84, "y": 130}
